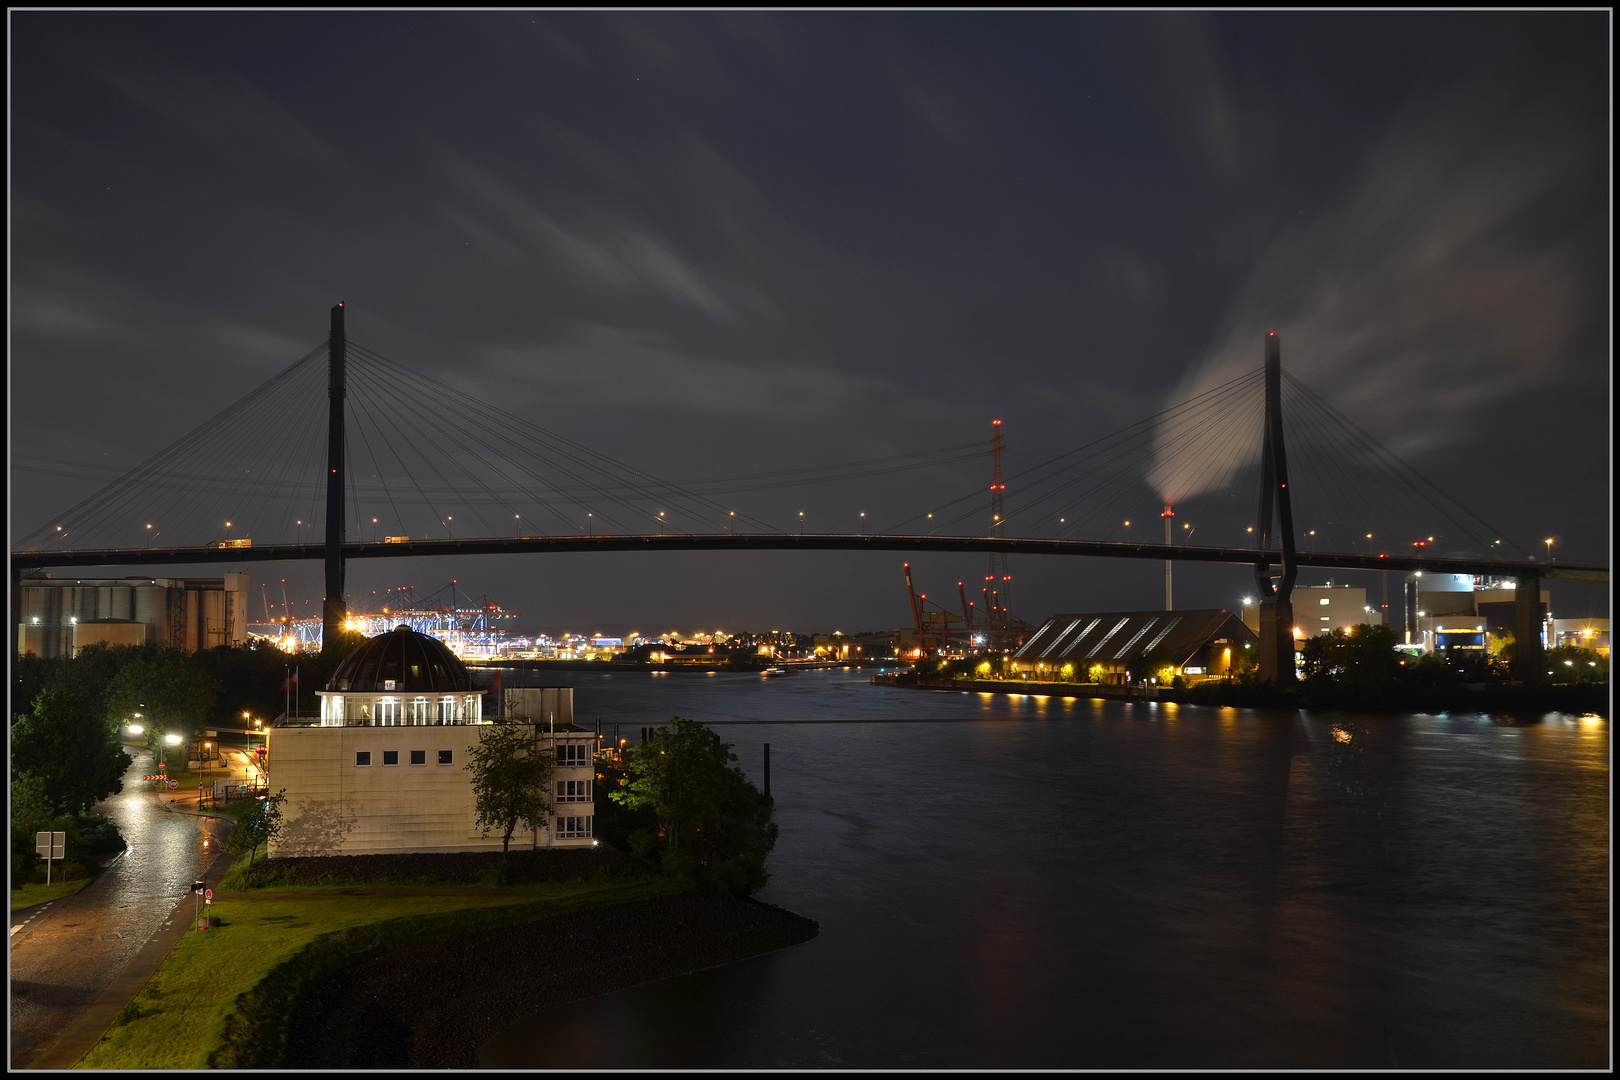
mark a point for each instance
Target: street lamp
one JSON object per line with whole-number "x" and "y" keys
{"x": 1549, "y": 549}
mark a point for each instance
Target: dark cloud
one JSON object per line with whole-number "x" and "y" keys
{"x": 711, "y": 244}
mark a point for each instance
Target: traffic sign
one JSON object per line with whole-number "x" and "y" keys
{"x": 173, "y": 784}
{"x": 51, "y": 845}
{"x": 208, "y": 894}
{"x": 154, "y": 776}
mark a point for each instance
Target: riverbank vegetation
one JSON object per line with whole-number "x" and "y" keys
{"x": 374, "y": 1014}
{"x": 689, "y": 807}
{"x": 225, "y": 997}
{"x": 1361, "y": 669}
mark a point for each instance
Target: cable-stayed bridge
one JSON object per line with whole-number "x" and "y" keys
{"x": 402, "y": 464}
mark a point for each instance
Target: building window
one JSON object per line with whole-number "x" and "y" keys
{"x": 447, "y": 711}
{"x": 417, "y": 711}
{"x": 1325, "y": 601}
{"x": 390, "y": 757}
{"x": 573, "y": 826}
{"x": 388, "y": 712}
{"x": 333, "y": 711}
{"x": 572, "y": 754}
{"x": 418, "y": 757}
{"x": 573, "y": 791}
{"x": 362, "y": 757}
{"x": 444, "y": 757}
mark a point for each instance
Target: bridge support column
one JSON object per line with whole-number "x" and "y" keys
{"x": 334, "y": 612}
{"x": 1276, "y": 595}
{"x": 1529, "y": 658}
{"x": 1277, "y": 643}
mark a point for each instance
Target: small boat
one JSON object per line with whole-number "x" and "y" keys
{"x": 774, "y": 672}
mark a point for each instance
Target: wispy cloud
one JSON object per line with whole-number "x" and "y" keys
{"x": 612, "y": 251}
{"x": 232, "y": 112}
{"x": 636, "y": 369}
{"x": 1432, "y": 286}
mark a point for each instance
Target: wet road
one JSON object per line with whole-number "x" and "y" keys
{"x": 73, "y": 949}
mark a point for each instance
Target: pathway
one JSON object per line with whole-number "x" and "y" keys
{"x": 72, "y": 951}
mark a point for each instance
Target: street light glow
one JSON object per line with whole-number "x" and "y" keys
{"x": 172, "y": 740}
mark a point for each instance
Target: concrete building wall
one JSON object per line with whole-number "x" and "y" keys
{"x": 336, "y": 806}
{"x": 547, "y": 706}
{"x": 107, "y": 632}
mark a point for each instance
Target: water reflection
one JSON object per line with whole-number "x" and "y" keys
{"x": 1109, "y": 884}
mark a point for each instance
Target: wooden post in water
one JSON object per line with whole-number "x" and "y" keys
{"x": 767, "y": 770}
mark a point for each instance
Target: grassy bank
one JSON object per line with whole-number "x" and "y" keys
{"x": 38, "y": 893}
{"x": 225, "y": 997}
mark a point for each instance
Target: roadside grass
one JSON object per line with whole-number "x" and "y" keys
{"x": 38, "y": 893}
{"x": 225, "y": 997}
{"x": 235, "y": 809}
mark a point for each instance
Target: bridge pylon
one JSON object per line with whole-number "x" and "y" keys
{"x": 1276, "y": 594}
{"x": 333, "y": 610}
{"x": 1528, "y": 654}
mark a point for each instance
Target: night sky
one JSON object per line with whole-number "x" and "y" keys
{"x": 716, "y": 245}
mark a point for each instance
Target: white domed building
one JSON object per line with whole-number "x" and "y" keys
{"x": 384, "y": 769}
{"x": 401, "y": 678}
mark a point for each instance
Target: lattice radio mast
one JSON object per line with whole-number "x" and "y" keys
{"x": 999, "y": 580}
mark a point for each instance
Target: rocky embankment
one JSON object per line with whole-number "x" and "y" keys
{"x": 431, "y": 1006}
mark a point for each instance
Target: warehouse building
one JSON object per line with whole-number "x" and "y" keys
{"x": 1099, "y": 647}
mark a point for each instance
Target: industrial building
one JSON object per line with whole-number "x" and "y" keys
{"x": 1197, "y": 644}
{"x": 1586, "y": 633}
{"x": 59, "y": 616}
{"x": 1320, "y": 609}
{"x": 383, "y": 770}
{"x": 1461, "y": 613}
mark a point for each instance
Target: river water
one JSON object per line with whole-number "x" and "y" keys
{"x": 1022, "y": 881}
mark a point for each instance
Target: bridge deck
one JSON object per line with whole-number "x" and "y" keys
{"x": 798, "y": 542}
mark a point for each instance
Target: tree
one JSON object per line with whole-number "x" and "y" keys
{"x": 259, "y": 825}
{"x": 169, "y": 688}
{"x": 511, "y": 779}
{"x": 712, "y": 819}
{"x": 74, "y": 753}
{"x": 1155, "y": 663}
{"x": 30, "y": 813}
{"x": 251, "y": 679}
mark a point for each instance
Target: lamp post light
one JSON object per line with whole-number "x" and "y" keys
{"x": 1549, "y": 548}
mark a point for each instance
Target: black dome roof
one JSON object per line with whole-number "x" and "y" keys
{"x": 414, "y": 663}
